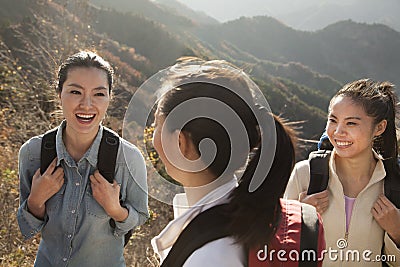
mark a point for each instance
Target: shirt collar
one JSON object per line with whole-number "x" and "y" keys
{"x": 167, "y": 237}
{"x": 91, "y": 153}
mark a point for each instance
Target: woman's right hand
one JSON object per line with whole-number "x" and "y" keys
{"x": 44, "y": 187}
{"x": 319, "y": 200}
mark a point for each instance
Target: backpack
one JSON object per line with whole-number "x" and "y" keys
{"x": 212, "y": 224}
{"x": 106, "y": 159}
{"x": 319, "y": 176}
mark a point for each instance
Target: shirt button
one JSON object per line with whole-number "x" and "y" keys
{"x": 69, "y": 236}
{"x": 73, "y": 211}
{"x": 64, "y": 259}
{"x": 77, "y": 184}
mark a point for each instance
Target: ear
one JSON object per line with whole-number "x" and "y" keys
{"x": 380, "y": 127}
{"x": 186, "y": 146}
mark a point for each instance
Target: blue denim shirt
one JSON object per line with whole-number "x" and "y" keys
{"x": 76, "y": 230}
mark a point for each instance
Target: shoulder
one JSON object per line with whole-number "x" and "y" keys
{"x": 128, "y": 152}
{"x": 302, "y": 168}
{"x": 31, "y": 148}
{"x": 222, "y": 252}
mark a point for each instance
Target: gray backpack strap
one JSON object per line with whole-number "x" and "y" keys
{"x": 309, "y": 236}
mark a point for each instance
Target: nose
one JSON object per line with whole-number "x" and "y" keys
{"x": 340, "y": 129}
{"x": 86, "y": 101}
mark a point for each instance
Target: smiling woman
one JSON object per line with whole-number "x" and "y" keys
{"x": 82, "y": 216}
{"x": 84, "y": 99}
{"x": 361, "y": 127}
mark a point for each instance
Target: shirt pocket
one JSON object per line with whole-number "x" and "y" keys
{"x": 53, "y": 203}
{"x": 93, "y": 207}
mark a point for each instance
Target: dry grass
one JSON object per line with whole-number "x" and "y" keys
{"x": 15, "y": 252}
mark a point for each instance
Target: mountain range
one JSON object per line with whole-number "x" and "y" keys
{"x": 298, "y": 71}
{"x": 307, "y": 15}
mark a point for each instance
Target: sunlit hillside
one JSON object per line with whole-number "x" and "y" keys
{"x": 297, "y": 71}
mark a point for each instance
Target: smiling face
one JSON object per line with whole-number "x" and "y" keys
{"x": 84, "y": 99}
{"x": 350, "y": 129}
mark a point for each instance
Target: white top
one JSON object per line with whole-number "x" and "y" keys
{"x": 219, "y": 253}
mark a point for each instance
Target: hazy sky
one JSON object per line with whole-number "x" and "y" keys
{"x": 303, "y": 14}
{"x": 224, "y": 10}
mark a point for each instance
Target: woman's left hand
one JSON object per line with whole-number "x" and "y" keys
{"x": 107, "y": 195}
{"x": 388, "y": 217}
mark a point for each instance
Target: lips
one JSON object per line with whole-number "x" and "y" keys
{"x": 343, "y": 144}
{"x": 85, "y": 118}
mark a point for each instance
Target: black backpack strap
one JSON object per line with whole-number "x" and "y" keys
{"x": 106, "y": 161}
{"x": 392, "y": 183}
{"x": 107, "y": 155}
{"x": 309, "y": 236}
{"x": 208, "y": 226}
{"x": 319, "y": 171}
{"x": 48, "y": 149}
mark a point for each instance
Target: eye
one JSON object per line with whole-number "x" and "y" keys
{"x": 100, "y": 94}
{"x": 75, "y": 92}
{"x": 351, "y": 123}
{"x": 331, "y": 120}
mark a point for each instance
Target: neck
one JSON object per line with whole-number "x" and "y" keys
{"x": 356, "y": 169}
{"x": 77, "y": 144}
{"x": 195, "y": 193}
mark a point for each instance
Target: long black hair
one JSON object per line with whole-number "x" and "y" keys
{"x": 254, "y": 214}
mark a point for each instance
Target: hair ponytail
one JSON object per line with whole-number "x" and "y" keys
{"x": 256, "y": 215}
{"x": 387, "y": 144}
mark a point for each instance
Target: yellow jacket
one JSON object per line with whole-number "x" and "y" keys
{"x": 361, "y": 246}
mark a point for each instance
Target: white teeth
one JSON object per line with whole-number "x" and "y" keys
{"x": 340, "y": 143}
{"x": 85, "y": 116}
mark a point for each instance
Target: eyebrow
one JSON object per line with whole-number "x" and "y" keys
{"x": 80, "y": 87}
{"x": 347, "y": 118}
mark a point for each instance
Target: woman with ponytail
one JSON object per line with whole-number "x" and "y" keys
{"x": 221, "y": 142}
{"x": 359, "y": 220}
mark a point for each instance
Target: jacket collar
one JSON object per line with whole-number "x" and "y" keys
{"x": 378, "y": 174}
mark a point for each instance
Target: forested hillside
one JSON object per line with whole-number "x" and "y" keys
{"x": 297, "y": 71}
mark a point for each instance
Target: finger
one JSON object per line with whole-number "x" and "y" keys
{"x": 324, "y": 205}
{"x": 381, "y": 204}
{"x": 116, "y": 185}
{"x": 386, "y": 201}
{"x": 324, "y": 201}
{"x": 374, "y": 213}
{"x": 322, "y": 194}
{"x": 36, "y": 175}
{"x": 99, "y": 177}
{"x": 51, "y": 167}
{"x": 320, "y": 210}
{"x": 59, "y": 171}
{"x": 60, "y": 176}
{"x": 377, "y": 207}
{"x": 93, "y": 180}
